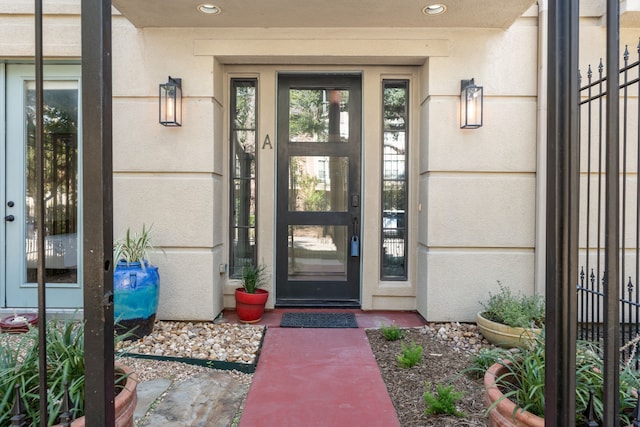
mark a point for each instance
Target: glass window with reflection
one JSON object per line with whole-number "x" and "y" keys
{"x": 395, "y": 111}
{"x": 243, "y": 174}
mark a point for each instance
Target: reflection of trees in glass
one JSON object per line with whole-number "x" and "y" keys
{"x": 394, "y": 196}
{"x": 245, "y": 119}
{"x": 395, "y": 112}
{"x": 394, "y": 182}
{"x": 395, "y": 103}
{"x": 60, "y": 145}
{"x": 318, "y": 115}
{"x": 243, "y": 175}
{"x": 307, "y": 115}
{"x": 305, "y": 193}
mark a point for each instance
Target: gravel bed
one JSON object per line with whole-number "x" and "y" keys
{"x": 195, "y": 340}
{"x": 200, "y": 340}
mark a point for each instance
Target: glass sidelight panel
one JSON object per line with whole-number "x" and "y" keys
{"x": 317, "y": 252}
{"x": 243, "y": 174}
{"x": 60, "y": 182}
{"x": 318, "y": 183}
{"x": 318, "y": 115}
{"x": 394, "y": 179}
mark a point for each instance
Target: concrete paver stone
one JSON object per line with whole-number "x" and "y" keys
{"x": 207, "y": 400}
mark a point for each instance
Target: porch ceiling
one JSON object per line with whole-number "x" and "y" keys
{"x": 326, "y": 13}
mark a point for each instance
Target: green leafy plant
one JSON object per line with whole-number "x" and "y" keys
{"x": 484, "y": 359}
{"x": 410, "y": 356}
{"x": 523, "y": 380}
{"x": 134, "y": 247}
{"x": 391, "y": 332}
{"x": 253, "y": 277}
{"x": 443, "y": 401}
{"x": 19, "y": 365}
{"x": 515, "y": 310}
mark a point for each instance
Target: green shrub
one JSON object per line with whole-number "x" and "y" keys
{"x": 515, "y": 310}
{"x": 484, "y": 359}
{"x": 524, "y": 384}
{"x": 410, "y": 356}
{"x": 19, "y": 364}
{"x": 392, "y": 332}
{"x": 443, "y": 402}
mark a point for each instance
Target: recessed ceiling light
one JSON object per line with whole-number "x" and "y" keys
{"x": 434, "y": 9}
{"x": 208, "y": 8}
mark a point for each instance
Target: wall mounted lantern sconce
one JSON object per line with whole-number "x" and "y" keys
{"x": 171, "y": 102}
{"x": 470, "y": 105}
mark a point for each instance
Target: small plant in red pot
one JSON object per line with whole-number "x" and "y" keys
{"x": 250, "y": 300}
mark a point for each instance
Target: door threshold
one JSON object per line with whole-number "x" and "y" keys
{"x": 317, "y": 304}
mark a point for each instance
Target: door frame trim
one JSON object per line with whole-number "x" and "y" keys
{"x": 3, "y": 182}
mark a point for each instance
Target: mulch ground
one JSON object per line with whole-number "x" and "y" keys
{"x": 441, "y": 364}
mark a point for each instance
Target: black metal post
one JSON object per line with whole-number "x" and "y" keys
{"x": 65, "y": 417}
{"x": 19, "y": 418}
{"x": 98, "y": 212}
{"x": 40, "y": 217}
{"x": 611, "y": 398}
{"x": 562, "y": 213}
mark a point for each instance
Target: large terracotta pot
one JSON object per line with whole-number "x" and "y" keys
{"x": 250, "y": 307}
{"x": 505, "y": 336}
{"x": 505, "y": 413}
{"x": 136, "y": 292}
{"x": 125, "y": 402}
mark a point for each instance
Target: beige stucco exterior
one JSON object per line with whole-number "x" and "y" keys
{"x": 475, "y": 195}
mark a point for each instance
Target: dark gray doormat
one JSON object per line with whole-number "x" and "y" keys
{"x": 318, "y": 320}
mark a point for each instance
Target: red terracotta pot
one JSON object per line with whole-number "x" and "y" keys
{"x": 504, "y": 413}
{"x": 19, "y": 323}
{"x": 125, "y": 402}
{"x": 250, "y": 307}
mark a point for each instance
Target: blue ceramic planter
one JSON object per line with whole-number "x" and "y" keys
{"x": 136, "y": 291}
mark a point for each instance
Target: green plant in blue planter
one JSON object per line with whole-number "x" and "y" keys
{"x": 136, "y": 284}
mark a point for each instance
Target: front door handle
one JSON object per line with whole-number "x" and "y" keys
{"x": 9, "y": 218}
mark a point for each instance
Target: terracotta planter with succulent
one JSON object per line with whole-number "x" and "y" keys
{"x": 503, "y": 412}
{"x": 514, "y": 385}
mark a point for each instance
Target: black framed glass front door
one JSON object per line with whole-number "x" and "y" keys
{"x": 318, "y": 186}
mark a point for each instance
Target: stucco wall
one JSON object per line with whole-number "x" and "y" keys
{"x": 474, "y": 191}
{"x": 175, "y": 178}
{"x": 477, "y": 187}
{"x": 170, "y": 177}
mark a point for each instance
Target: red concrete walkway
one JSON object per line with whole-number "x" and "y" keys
{"x": 321, "y": 377}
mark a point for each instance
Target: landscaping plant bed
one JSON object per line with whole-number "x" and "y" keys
{"x": 448, "y": 350}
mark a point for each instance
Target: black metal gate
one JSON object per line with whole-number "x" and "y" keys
{"x": 570, "y": 176}
{"x": 592, "y": 280}
{"x": 98, "y": 209}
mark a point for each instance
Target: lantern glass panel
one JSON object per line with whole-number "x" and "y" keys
{"x": 170, "y": 104}
{"x": 471, "y": 107}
